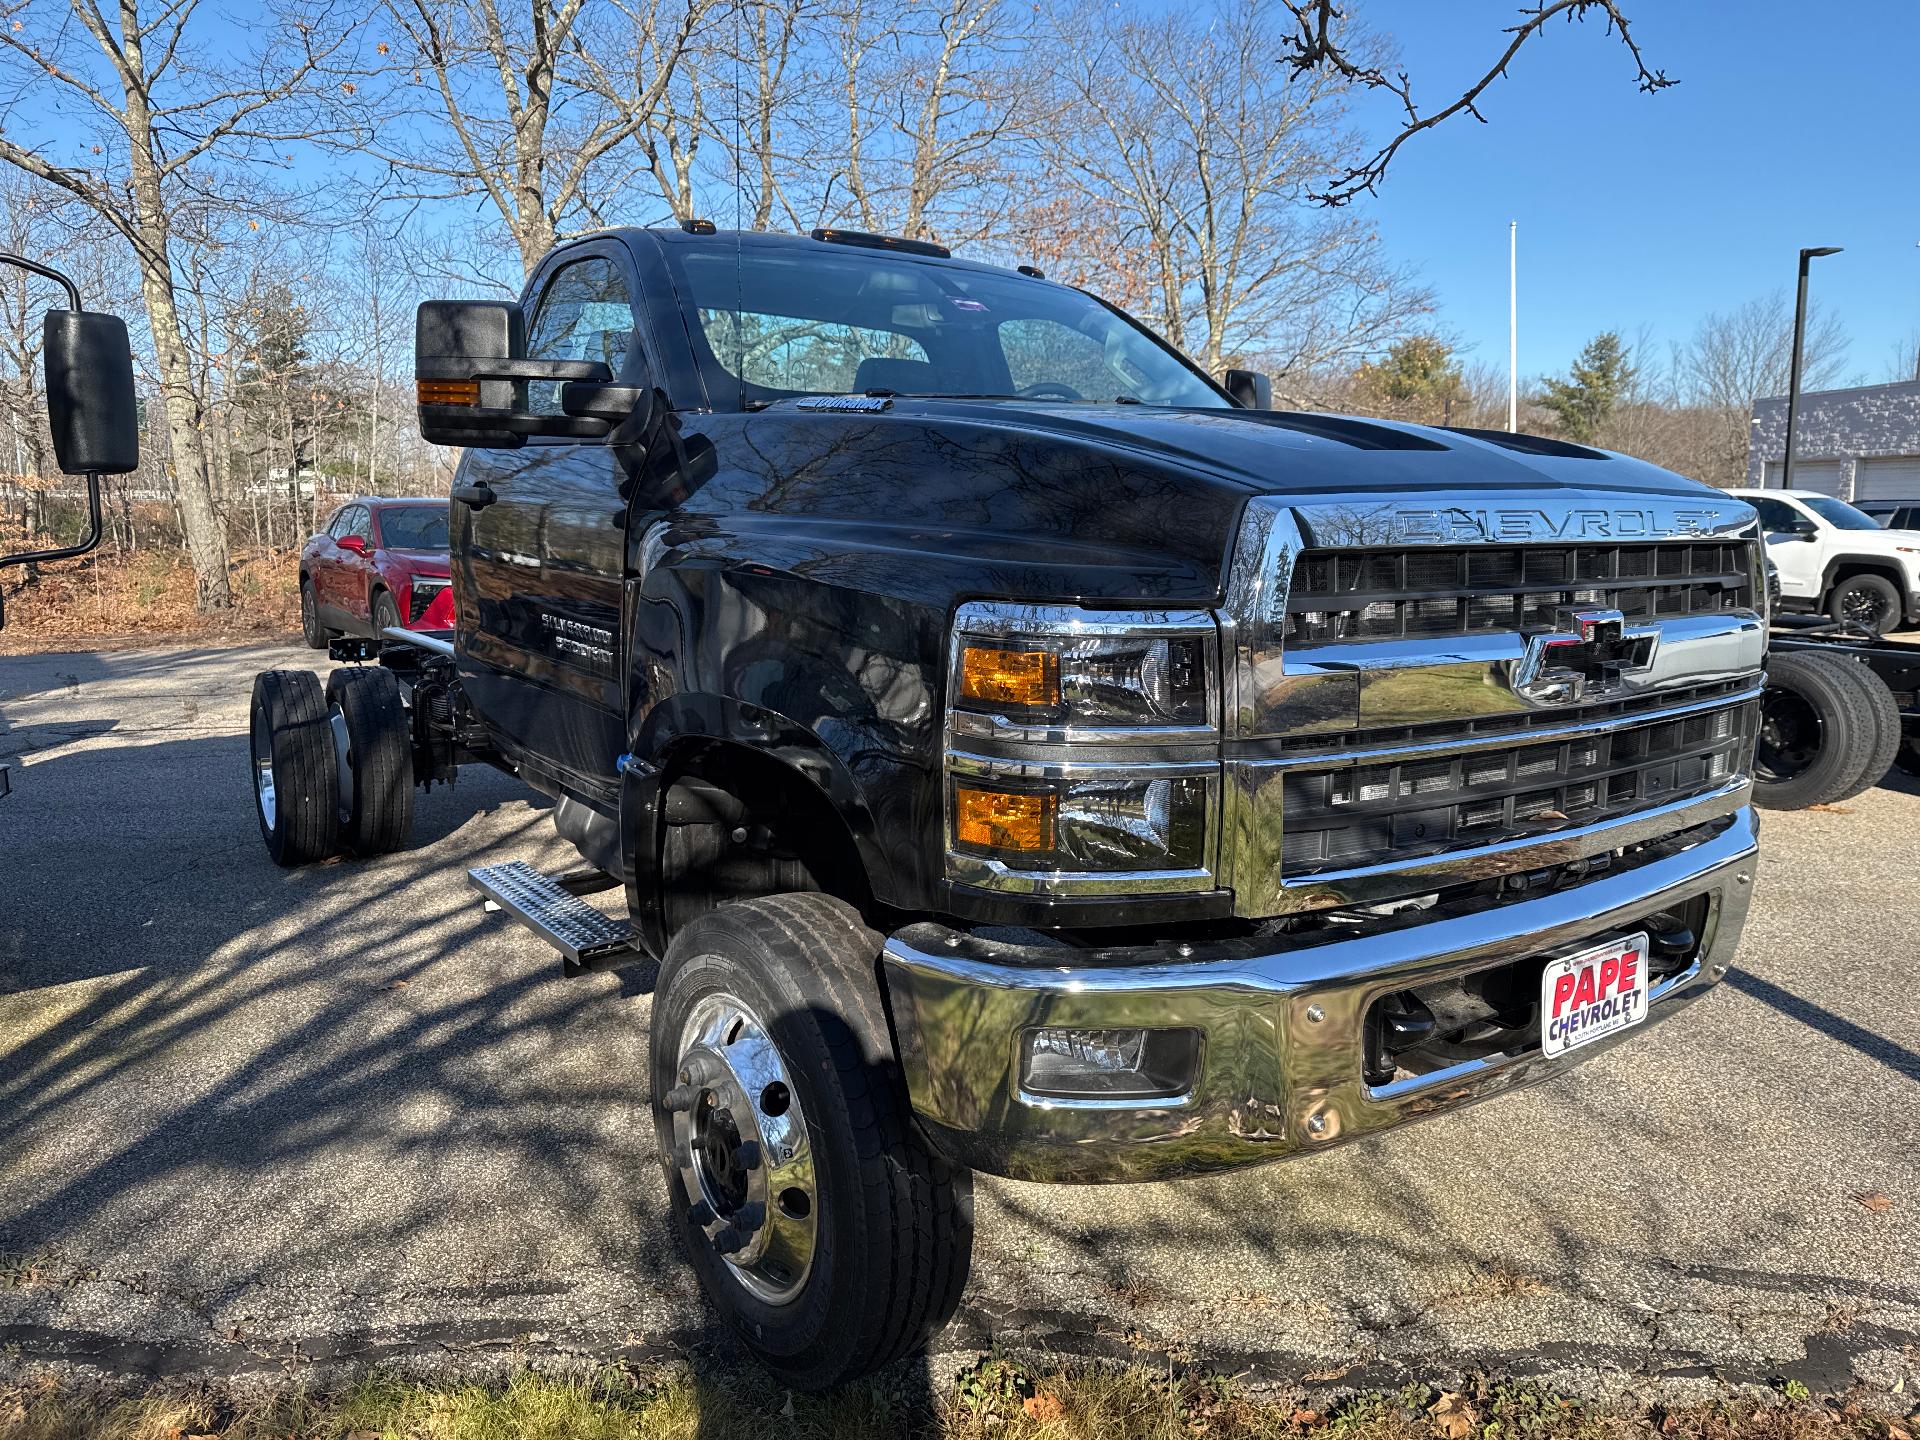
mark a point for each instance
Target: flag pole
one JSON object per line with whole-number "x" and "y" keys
{"x": 1513, "y": 326}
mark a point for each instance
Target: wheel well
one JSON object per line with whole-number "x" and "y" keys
{"x": 737, "y": 823}
{"x": 1847, "y": 567}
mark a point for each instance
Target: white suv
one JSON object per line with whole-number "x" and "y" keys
{"x": 1833, "y": 557}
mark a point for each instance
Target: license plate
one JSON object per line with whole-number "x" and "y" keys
{"x": 1594, "y": 994}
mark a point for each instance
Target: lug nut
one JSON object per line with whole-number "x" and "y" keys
{"x": 681, "y": 1097}
{"x": 748, "y": 1154}
{"x": 750, "y": 1217}
{"x": 700, "y": 1213}
{"x": 729, "y": 1241}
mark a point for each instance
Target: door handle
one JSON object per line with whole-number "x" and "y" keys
{"x": 479, "y": 496}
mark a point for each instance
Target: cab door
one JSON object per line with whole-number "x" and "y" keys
{"x": 539, "y": 568}
{"x": 1793, "y": 543}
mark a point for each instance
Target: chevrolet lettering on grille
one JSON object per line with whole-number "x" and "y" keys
{"x": 1586, "y": 656}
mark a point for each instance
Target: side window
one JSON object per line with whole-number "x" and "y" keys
{"x": 1776, "y": 516}
{"x": 785, "y": 352}
{"x": 585, "y": 313}
{"x": 341, "y": 523}
{"x": 1045, "y": 352}
{"x": 362, "y": 524}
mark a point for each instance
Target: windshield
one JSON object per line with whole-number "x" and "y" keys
{"x": 1839, "y": 514}
{"x": 414, "y": 527}
{"x": 827, "y": 321}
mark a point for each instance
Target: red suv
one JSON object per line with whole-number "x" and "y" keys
{"x": 378, "y": 564}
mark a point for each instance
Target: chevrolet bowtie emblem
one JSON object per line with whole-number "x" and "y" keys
{"x": 1586, "y": 656}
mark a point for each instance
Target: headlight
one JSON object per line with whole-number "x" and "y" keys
{"x": 1031, "y": 690}
{"x": 1058, "y": 672}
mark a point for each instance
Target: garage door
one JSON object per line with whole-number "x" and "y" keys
{"x": 1821, "y": 475}
{"x": 1887, "y": 477}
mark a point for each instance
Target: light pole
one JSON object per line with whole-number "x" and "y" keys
{"x": 1799, "y": 339}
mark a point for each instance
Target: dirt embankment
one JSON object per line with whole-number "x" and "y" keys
{"x": 113, "y": 600}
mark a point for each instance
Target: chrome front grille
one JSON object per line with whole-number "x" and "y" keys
{"x": 1433, "y": 590}
{"x": 1415, "y": 805}
{"x": 1382, "y": 737}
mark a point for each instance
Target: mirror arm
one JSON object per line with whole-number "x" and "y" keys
{"x": 73, "y": 293}
{"x": 594, "y": 371}
{"x": 63, "y": 552}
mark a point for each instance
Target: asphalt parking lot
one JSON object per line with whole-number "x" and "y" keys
{"x": 255, "y": 1121}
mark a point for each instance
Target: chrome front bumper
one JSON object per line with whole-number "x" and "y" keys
{"x": 1281, "y": 1062}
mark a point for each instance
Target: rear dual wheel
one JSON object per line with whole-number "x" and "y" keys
{"x": 819, "y": 1223}
{"x": 1829, "y": 728}
{"x": 373, "y": 749}
{"x": 331, "y": 768}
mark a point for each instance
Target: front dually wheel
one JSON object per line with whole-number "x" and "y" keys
{"x": 818, "y": 1221}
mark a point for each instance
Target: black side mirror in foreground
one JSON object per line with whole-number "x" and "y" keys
{"x": 1249, "y": 388}
{"x": 471, "y": 374}
{"x": 90, "y": 404}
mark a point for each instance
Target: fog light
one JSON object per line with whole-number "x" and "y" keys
{"x": 1109, "y": 1064}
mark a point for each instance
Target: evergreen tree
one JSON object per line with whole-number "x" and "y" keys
{"x": 1417, "y": 379}
{"x": 1602, "y": 376}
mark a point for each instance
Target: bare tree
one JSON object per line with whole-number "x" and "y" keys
{"x": 927, "y": 97}
{"x": 1323, "y": 43}
{"x": 1906, "y": 358}
{"x": 1735, "y": 357}
{"x": 531, "y": 109}
{"x": 1192, "y": 160}
{"x": 148, "y": 128}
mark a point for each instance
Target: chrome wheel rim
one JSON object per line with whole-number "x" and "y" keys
{"x": 263, "y": 791}
{"x": 740, "y": 1149}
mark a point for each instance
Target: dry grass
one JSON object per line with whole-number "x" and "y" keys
{"x": 995, "y": 1399}
{"x": 141, "y": 597}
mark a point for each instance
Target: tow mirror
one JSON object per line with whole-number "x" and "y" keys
{"x": 90, "y": 404}
{"x": 1250, "y": 389}
{"x": 471, "y": 374}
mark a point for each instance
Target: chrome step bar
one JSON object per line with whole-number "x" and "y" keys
{"x": 545, "y": 906}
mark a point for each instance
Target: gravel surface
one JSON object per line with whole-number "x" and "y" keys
{"x": 255, "y": 1121}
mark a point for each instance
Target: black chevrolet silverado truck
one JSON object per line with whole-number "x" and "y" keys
{"x": 1024, "y": 754}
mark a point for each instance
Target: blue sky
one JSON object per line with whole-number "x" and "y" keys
{"x": 1793, "y": 125}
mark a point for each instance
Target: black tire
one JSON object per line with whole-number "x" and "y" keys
{"x": 296, "y": 791}
{"x": 894, "y": 1223}
{"x": 376, "y": 786}
{"x": 1869, "y": 600}
{"x": 386, "y": 614}
{"x": 311, "y": 630}
{"x": 1817, "y": 732}
{"x": 1877, "y": 755}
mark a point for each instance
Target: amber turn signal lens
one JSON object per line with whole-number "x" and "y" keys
{"x": 1003, "y": 819}
{"x": 992, "y": 676}
{"x": 447, "y": 392}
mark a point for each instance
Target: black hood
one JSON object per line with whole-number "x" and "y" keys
{"x": 1110, "y": 501}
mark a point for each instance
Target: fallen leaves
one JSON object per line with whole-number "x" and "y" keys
{"x": 1831, "y": 809}
{"x": 1044, "y": 1406}
{"x": 1453, "y": 1416}
{"x": 1874, "y": 1202}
